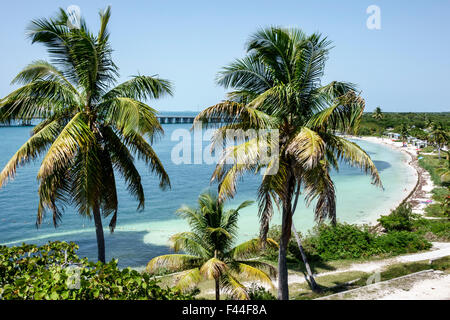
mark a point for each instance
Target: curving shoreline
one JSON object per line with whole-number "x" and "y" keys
{"x": 417, "y": 193}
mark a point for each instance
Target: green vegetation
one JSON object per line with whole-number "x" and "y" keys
{"x": 44, "y": 273}
{"x": 439, "y": 171}
{"x": 89, "y": 131}
{"x": 347, "y": 241}
{"x": 278, "y": 86}
{"x": 400, "y": 219}
{"x": 433, "y": 229}
{"x": 211, "y": 255}
{"x": 434, "y": 165}
{"x": 260, "y": 293}
{"x": 416, "y": 122}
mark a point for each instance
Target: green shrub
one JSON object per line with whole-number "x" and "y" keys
{"x": 435, "y": 210}
{"x": 344, "y": 241}
{"x": 256, "y": 292}
{"x": 431, "y": 164}
{"x": 400, "y": 219}
{"x": 428, "y": 149}
{"x": 400, "y": 242}
{"x": 348, "y": 241}
{"x": 439, "y": 194}
{"x": 433, "y": 229}
{"x": 31, "y": 272}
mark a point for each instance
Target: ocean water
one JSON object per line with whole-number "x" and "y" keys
{"x": 140, "y": 236}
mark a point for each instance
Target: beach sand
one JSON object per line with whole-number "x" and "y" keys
{"x": 418, "y": 192}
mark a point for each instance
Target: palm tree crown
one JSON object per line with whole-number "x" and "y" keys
{"x": 377, "y": 114}
{"x": 210, "y": 250}
{"x": 88, "y": 130}
{"x": 278, "y": 86}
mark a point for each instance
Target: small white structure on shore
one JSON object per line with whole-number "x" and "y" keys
{"x": 393, "y": 135}
{"x": 419, "y": 143}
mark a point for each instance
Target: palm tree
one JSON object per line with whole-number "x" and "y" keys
{"x": 88, "y": 131}
{"x": 439, "y": 136}
{"x": 210, "y": 251}
{"x": 377, "y": 114}
{"x": 404, "y": 133}
{"x": 277, "y": 86}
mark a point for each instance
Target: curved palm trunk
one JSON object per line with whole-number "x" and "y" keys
{"x": 99, "y": 233}
{"x": 310, "y": 277}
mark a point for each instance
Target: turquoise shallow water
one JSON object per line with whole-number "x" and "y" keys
{"x": 142, "y": 235}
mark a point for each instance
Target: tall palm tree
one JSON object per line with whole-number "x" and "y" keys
{"x": 278, "y": 86}
{"x": 439, "y": 136}
{"x": 88, "y": 130}
{"x": 404, "y": 133}
{"x": 377, "y": 114}
{"x": 210, "y": 251}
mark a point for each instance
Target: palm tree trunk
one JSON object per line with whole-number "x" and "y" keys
{"x": 310, "y": 277}
{"x": 99, "y": 233}
{"x": 439, "y": 152}
{"x": 217, "y": 289}
{"x": 286, "y": 224}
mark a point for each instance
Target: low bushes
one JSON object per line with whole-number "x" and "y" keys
{"x": 400, "y": 219}
{"x": 432, "y": 164}
{"x": 433, "y": 229}
{"x": 256, "y": 292}
{"x": 348, "y": 241}
{"x": 400, "y": 242}
{"x": 344, "y": 241}
{"x": 54, "y": 271}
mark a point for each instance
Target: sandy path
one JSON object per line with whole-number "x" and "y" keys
{"x": 428, "y": 289}
{"x": 439, "y": 250}
{"x": 427, "y": 284}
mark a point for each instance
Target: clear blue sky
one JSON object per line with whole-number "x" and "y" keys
{"x": 405, "y": 66}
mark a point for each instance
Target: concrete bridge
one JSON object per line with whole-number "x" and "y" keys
{"x": 182, "y": 119}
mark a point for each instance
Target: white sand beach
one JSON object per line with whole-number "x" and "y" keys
{"x": 418, "y": 191}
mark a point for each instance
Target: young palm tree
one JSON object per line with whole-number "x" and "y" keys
{"x": 210, "y": 251}
{"x": 88, "y": 131}
{"x": 377, "y": 114}
{"x": 277, "y": 86}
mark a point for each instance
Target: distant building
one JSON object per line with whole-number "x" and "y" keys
{"x": 393, "y": 135}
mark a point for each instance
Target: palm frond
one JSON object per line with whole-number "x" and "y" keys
{"x": 188, "y": 279}
{"x": 251, "y": 247}
{"x": 173, "y": 262}
{"x": 75, "y": 135}
{"x": 30, "y": 150}
{"x": 213, "y": 268}
{"x": 234, "y": 287}
{"x": 141, "y": 88}
{"x": 308, "y": 147}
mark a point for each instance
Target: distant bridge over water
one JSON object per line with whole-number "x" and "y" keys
{"x": 161, "y": 119}
{"x": 183, "y": 119}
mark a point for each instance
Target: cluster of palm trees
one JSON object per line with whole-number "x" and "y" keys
{"x": 92, "y": 129}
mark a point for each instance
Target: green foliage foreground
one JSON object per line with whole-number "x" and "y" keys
{"x": 45, "y": 273}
